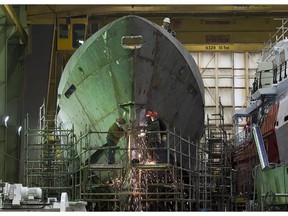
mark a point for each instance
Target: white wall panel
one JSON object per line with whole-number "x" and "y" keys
{"x": 209, "y": 95}
{"x": 239, "y": 83}
{"x": 253, "y": 59}
{"x": 224, "y": 60}
{"x": 207, "y": 72}
{"x": 252, "y": 73}
{"x": 209, "y": 111}
{"x": 240, "y": 97}
{"x": 231, "y": 82}
{"x": 210, "y": 82}
{"x": 239, "y": 60}
{"x": 225, "y": 82}
{"x": 226, "y": 95}
{"x": 225, "y": 72}
{"x": 207, "y": 60}
{"x": 238, "y": 73}
{"x": 228, "y": 113}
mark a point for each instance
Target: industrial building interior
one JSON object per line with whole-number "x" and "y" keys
{"x": 226, "y": 169}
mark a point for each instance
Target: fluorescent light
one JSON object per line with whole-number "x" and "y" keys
{"x": 19, "y": 130}
{"x": 6, "y": 118}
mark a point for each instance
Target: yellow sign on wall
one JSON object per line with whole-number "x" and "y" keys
{"x": 224, "y": 47}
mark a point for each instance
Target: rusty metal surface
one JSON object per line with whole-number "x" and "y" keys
{"x": 269, "y": 122}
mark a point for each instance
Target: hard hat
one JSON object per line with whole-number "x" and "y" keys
{"x": 167, "y": 20}
{"x": 121, "y": 121}
{"x": 154, "y": 115}
{"x": 148, "y": 114}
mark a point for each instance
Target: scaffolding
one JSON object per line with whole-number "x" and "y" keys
{"x": 204, "y": 176}
{"x": 219, "y": 162}
{"x": 133, "y": 184}
{"x": 48, "y": 156}
{"x": 56, "y": 162}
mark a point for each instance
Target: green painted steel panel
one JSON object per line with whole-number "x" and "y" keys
{"x": 272, "y": 182}
{"x": 161, "y": 76}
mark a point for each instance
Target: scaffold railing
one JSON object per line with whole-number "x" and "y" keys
{"x": 134, "y": 182}
{"x": 171, "y": 175}
{"x": 48, "y": 158}
{"x": 279, "y": 35}
{"x": 219, "y": 162}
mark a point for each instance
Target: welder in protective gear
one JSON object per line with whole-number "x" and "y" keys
{"x": 115, "y": 132}
{"x": 155, "y": 139}
{"x": 148, "y": 117}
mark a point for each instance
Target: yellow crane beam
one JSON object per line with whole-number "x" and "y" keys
{"x": 43, "y": 14}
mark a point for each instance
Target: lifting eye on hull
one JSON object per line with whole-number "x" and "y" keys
{"x": 132, "y": 42}
{"x": 70, "y": 91}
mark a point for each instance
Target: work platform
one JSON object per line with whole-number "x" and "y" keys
{"x": 54, "y": 163}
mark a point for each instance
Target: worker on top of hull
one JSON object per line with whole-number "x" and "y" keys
{"x": 166, "y": 25}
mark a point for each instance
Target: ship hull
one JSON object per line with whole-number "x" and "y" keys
{"x": 268, "y": 111}
{"x": 160, "y": 76}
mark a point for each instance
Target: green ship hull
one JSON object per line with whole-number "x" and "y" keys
{"x": 160, "y": 76}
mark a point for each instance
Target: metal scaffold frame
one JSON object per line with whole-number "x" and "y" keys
{"x": 57, "y": 163}
{"x": 149, "y": 187}
{"x": 48, "y": 156}
{"x": 219, "y": 162}
{"x": 204, "y": 176}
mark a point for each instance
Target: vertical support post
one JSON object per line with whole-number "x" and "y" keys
{"x": 168, "y": 146}
{"x": 190, "y": 171}
{"x": 247, "y": 84}
{"x": 181, "y": 172}
{"x": 216, "y": 85}
{"x": 198, "y": 176}
{"x": 72, "y": 162}
{"x": 233, "y": 80}
{"x": 81, "y": 170}
{"x": 53, "y": 80}
{"x": 3, "y": 98}
{"x": 26, "y": 149}
{"x": 175, "y": 162}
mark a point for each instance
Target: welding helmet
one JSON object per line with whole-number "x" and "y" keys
{"x": 154, "y": 115}
{"x": 148, "y": 114}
